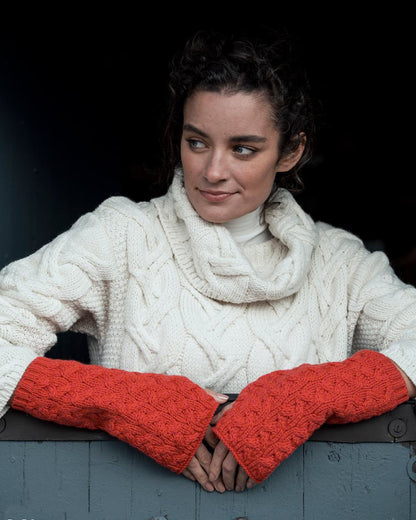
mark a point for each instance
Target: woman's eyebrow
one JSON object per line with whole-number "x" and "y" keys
{"x": 252, "y": 138}
{"x": 234, "y": 139}
{"x": 192, "y": 128}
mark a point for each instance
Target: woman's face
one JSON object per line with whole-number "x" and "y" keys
{"x": 229, "y": 152}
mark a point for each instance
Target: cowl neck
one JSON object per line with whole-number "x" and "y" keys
{"x": 213, "y": 263}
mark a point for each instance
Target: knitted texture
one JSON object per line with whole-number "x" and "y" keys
{"x": 157, "y": 289}
{"x": 165, "y": 417}
{"x": 280, "y": 411}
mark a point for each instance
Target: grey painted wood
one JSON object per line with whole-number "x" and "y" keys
{"x": 126, "y": 484}
{"x": 109, "y": 480}
{"x": 44, "y": 480}
{"x": 349, "y": 481}
{"x": 281, "y": 496}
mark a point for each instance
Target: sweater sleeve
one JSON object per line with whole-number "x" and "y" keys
{"x": 382, "y": 310}
{"x": 48, "y": 292}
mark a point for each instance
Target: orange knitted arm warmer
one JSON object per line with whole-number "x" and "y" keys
{"x": 165, "y": 417}
{"x": 278, "y": 412}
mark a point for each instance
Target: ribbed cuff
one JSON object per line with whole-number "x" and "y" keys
{"x": 28, "y": 390}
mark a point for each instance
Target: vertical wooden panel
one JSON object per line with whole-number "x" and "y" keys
{"x": 44, "y": 480}
{"x": 126, "y": 484}
{"x": 110, "y": 480}
{"x": 280, "y": 496}
{"x": 382, "y": 484}
{"x": 158, "y": 492}
{"x": 220, "y": 506}
{"x": 356, "y": 481}
{"x": 11, "y": 476}
{"x": 411, "y": 471}
{"x": 72, "y": 479}
{"x": 56, "y": 479}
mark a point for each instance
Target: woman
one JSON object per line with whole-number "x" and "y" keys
{"x": 223, "y": 285}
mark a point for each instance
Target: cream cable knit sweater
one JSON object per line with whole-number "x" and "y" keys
{"x": 158, "y": 289}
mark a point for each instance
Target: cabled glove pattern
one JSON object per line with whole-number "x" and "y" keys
{"x": 163, "y": 416}
{"x": 278, "y": 412}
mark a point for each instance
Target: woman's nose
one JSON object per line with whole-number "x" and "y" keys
{"x": 216, "y": 169}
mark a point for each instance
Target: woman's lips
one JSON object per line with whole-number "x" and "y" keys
{"x": 215, "y": 196}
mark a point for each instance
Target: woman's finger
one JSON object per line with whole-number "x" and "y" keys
{"x": 241, "y": 479}
{"x": 197, "y": 471}
{"x": 186, "y": 473}
{"x": 210, "y": 438}
{"x": 219, "y": 485}
{"x": 218, "y": 415}
{"x": 204, "y": 457}
{"x": 229, "y": 471}
{"x": 251, "y": 483}
{"x": 215, "y": 469}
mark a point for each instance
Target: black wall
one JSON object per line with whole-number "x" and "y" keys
{"x": 81, "y": 102}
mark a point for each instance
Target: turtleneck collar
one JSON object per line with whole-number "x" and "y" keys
{"x": 249, "y": 229}
{"x": 213, "y": 262}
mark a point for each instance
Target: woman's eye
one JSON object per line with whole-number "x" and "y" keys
{"x": 243, "y": 150}
{"x": 195, "y": 144}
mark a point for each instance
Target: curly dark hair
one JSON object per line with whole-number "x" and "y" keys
{"x": 217, "y": 62}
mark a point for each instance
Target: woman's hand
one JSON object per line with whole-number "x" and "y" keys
{"x": 198, "y": 468}
{"x": 224, "y": 470}
{"x": 278, "y": 412}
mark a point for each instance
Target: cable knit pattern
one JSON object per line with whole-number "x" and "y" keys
{"x": 277, "y": 413}
{"x": 157, "y": 289}
{"x": 214, "y": 264}
{"x": 165, "y": 417}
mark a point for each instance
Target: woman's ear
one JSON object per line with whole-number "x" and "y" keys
{"x": 287, "y": 162}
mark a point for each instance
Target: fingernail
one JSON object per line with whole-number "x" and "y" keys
{"x": 220, "y": 488}
{"x": 222, "y": 397}
{"x": 209, "y": 487}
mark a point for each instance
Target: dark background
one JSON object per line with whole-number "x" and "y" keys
{"x": 81, "y": 107}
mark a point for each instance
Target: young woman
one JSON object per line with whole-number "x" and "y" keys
{"x": 222, "y": 285}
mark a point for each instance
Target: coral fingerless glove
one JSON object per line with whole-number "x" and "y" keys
{"x": 279, "y": 411}
{"x": 165, "y": 417}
